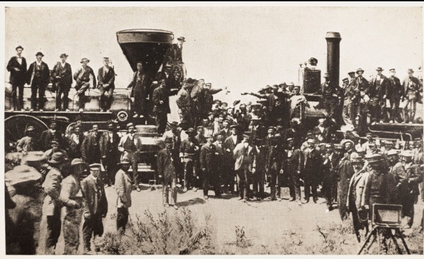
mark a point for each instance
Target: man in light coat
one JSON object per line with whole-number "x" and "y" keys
{"x": 123, "y": 187}
{"x": 356, "y": 195}
{"x": 245, "y": 155}
{"x": 71, "y": 196}
{"x": 130, "y": 146}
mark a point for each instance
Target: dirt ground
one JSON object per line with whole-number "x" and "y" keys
{"x": 275, "y": 227}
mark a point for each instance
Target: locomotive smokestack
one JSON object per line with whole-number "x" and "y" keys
{"x": 333, "y": 56}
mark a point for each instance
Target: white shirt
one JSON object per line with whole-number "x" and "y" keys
{"x": 111, "y": 137}
{"x": 38, "y": 63}
{"x": 234, "y": 137}
{"x": 19, "y": 60}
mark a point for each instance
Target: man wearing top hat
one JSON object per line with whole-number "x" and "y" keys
{"x": 84, "y": 78}
{"x": 411, "y": 86}
{"x": 130, "y": 146}
{"x": 62, "y": 81}
{"x": 377, "y": 92}
{"x": 109, "y": 152}
{"x": 38, "y": 76}
{"x": 17, "y": 67}
{"x": 52, "y": 203}
{"x": 95, "y": 206}
{"x": 71, "y": 197}
{"x": 356, "y": 196}
{"x": 27, "y": 143}
{"x": 106, "y": 84}
{"x": 189, "y": 155}
{"x": 393, "y": 93}
{"x": 123, "y": 187}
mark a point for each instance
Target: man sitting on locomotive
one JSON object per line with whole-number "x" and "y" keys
{"x": 85, "y": 78}
{"x": 106, "y": 84}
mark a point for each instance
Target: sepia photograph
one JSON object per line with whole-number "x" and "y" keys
{"x": 206, "y": 128}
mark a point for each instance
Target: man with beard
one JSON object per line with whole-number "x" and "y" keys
{"x": 62, "y": 79}
{"x": 355, "y": 196}
{"x": 85, "y": 79}
{"x": 394, "y": 93}
{"x": 293, "y": 164}
{"x": 345, "y": 172}
{"x": 229, "y": 145}
{"x": 331, "y": 160}
{"x": 377, "y": 92}
{"x": 109, "y": 152}
{"x": 312, "y": 170}
{"x": 362, "y": 84}
{"x": 90, "y": 148}
{"x": 38, "y": 76}
{"x": 17, "y": 67}
{"x": 106, "y": 79}
{"x": 398, "y": 182}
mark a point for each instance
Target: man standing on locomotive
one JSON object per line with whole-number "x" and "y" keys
{"x": 38, "y": 76}
{"x": 161, "y": 106}
{"x": 17, "y": 67}
{"x": 85, "y": 78}
{"x": 106, "y": 84}
{"x": 139, "y": 90}
{"x": 62, "y": 80}
{"x": 411, "y": 86}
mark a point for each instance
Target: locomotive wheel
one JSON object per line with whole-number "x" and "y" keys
{"x": 15, "y": 126}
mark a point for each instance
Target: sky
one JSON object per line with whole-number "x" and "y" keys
{"x": 242, "y": 48}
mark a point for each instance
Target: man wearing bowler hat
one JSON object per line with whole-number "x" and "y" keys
{"x": 84, "y": 78}
{"x": 378, "y": 94}
{"x": 394, "y": 93}
{"x": 17, "y": 67}
{"x": 123, "y": 187}
{"x": 52, "y": 203}
{"x": 62, "y": 81}
{"x": 106, "y": 84}
{"x": 38, "y": 77}
{"x": 95, "y": 206}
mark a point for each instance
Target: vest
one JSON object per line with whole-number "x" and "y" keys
{"x": 129, "y": 145}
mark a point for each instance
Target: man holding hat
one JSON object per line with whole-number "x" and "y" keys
{"x": 167, "y": 173}
{"x": 130, "y": 146}
{"x": 71, "y": 197}
{"x": 109, "y": 152}
{"x": 378, "y": 94}
{"x": 394, "y": 92}
{"x": 52, "y": 203}
{"x": 38, "y": 77}
{"x": 85, "y": 79}
{"x": 27, "y": 143}
{"x": 411, "y": 87}
{"x": 189, "y": 155}
{"x": 123, "y": 187}
{"x": 95, "y": 205}
{"x": 355, "y": 196}
{"x": 17, "y": 67}
{"x": 62, "y": 81}
{"x": 106, "y": 84}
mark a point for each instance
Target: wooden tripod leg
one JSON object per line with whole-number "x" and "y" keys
{"x": 395, "y": 241}
{"x": 403, "y": 241}
{"x": 367, "y": 240}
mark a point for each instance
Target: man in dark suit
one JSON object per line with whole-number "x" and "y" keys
{"x": 329, "y": 167}
{"x": 106, "y": 84}
{"x": 228, "y": 146}
{"x": 377, "y": 91}
{"x": 393, "y": 93}
{"x": 90, "y": 148}
{"x": 50, "y": 134}
{"x": 140, "y": 89}
{"x": 85, "y": 79}
{"x": 161, "y": 106}
{"x": 95, "y": 206}
{"x": 17, "y": 67}
{"x": 166, "y": 172}
{"x": 109, "y": 152}
{"x": 209, "y": 160}
{"x": 62, "y": 80}
{"x": 362, "y": 85}
{"x": 312, "y": 170}
{"x": 38, "y": 76}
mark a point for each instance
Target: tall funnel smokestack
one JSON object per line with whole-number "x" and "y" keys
{"x": 333, "y": 56}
